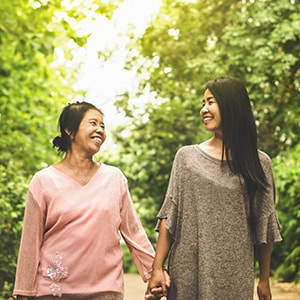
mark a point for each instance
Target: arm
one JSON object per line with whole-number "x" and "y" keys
{"x": 158, "y": 278}
{"x": 135, "y": 237}
{"x": 264, "y": 258}
{"x": 29, "y": 252}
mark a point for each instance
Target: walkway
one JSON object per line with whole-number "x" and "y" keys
{"x": 135, "y": 289}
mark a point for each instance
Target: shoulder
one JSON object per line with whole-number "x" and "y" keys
{"x": 40, "y": 180}
{"x": 264, "y": 157}
{"x": 43, "y": 173}
{"x": 110, "y": 170}
{"x": 265, "y": 160}
{"x": 186, "y": 150}
{"x": 185, "y": 154}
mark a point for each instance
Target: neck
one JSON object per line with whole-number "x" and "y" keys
{"x": 216, "y": 141}
{"x": 78, "y": 162}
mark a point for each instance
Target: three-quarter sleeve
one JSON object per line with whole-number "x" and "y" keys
{"x": 29, "y": 251}
{"x": 265, "y": 220}
{"x": 135, "y": 236}
{"x": 170, "y": 209}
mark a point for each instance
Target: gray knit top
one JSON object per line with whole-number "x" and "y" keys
{"x": 215, "y": 227}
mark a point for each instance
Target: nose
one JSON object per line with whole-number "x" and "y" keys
{"x": 100, "y": 129}
{"x": 203, "y": 109}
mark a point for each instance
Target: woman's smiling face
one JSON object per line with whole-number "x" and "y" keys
{"x": 210, "y": 113}
{"x": 91, "y": 133}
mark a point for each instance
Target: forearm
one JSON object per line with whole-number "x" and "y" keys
{"x": 160, "y": 280}
{"x": 264, "y": 252}
{"x": 164, "y": 243}
{"x": 264, "y": 259}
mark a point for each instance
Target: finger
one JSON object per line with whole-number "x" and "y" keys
{"x": 159, "y": 291}
{"x": 159, "y": 294}
{"x": 168, "y": 282}
{"x": 149, "y": 297}
{"x": 167, "y": 278}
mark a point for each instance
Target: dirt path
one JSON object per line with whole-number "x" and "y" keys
{"x": 135, "y": 289}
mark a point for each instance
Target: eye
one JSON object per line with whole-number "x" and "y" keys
{"x": 94, "y": 123}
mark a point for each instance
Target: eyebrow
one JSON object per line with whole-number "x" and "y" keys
{"x": 96, "y": 119}
{"x": 208, "y": 98}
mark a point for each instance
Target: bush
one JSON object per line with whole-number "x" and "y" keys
{"x": 287, "y": 176}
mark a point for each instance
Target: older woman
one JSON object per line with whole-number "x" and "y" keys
{"x": 76, "y": 212}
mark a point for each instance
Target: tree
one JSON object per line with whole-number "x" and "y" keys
{"x": 31, "y": 93}
{"x": 38, "y": 42}
{"x": 146, "y": 154}
{"x": 287, "y": 170}
{"x": 191, "y": 42}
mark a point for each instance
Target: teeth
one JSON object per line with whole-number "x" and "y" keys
{"x": 98, "y": 140}
{"x": 207, "y": 118}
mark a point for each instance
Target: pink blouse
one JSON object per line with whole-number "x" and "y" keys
{"x": 71, "y": 235}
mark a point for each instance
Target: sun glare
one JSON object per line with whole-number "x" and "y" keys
{"x": 105, "y": 78}
{"x": 100, "y": 63}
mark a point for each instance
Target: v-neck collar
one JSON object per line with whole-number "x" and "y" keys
{"x": 74, "y": 181}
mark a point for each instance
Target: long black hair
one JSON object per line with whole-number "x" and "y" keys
{"x": 238, "y": 131}
{"x": 70, "y": 119}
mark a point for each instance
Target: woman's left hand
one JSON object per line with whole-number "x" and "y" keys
{"x": 264, "y": 290}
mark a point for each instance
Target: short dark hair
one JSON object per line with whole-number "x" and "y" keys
{"x": 70, "y": 119}
{"x": 238, "y": 130}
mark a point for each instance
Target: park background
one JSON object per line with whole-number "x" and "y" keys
{"x": 145, "y": 64}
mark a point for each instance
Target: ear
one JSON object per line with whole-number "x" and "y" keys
{"x": 68, "y": 132}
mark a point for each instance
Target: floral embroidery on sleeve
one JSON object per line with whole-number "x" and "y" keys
{"x": 55, "y": 273}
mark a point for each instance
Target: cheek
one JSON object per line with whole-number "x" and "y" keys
{"x": 218, "y": 113}
{"x": 104, "y": 136}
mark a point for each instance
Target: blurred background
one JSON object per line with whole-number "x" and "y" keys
{"x": 145, "y": 63}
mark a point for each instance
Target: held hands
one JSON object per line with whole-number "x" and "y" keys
{"x": 264, "y": 290}
{"x": 158, "y": 285}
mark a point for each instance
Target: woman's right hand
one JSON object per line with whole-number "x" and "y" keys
{"x": 158, "y": 285}
{"x": 160, "y": 279}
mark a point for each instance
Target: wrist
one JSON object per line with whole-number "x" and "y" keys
{"x": 264, "y": 279}
{"x": 264, "y": 276}
{"x": 159, "y": 268}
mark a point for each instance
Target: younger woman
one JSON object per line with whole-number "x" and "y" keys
{"x": 219, "y": 207}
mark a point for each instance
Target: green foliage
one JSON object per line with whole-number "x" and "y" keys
{"x": 256, "y": 41}
{"x": 189, "y": 43}
{"x": 287, "y": 175}
{"x": 146, "y": 155}
{"x": 33, "y": 91}
{"x": 11, "y": 214}
{"x": 31, "y": 95}
{"x": 128, "y": 266}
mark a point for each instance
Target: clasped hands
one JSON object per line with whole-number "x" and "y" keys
{"x": 158, "y": 285}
